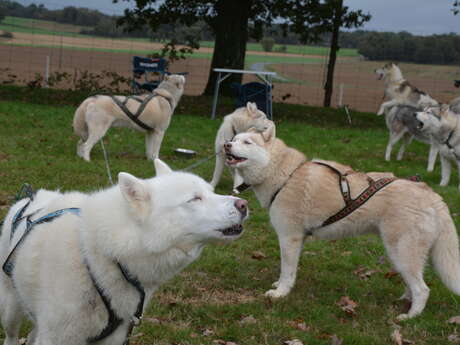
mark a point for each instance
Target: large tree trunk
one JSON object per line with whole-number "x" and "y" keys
{"x": 231, "y": 31}
{"x": 329, "y": 85}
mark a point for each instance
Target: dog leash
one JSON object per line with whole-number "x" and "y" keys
{"x": 198, "y": 163}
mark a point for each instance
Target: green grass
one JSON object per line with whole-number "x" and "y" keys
{"x": 33, "y": 26}
{"x": 226, "y": 284}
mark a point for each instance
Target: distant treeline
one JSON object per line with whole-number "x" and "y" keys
{"x": 402, "y": 46}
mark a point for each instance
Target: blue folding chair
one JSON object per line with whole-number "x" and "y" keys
{"x": 148, "y": 73}
{"x": 256, "y": 92}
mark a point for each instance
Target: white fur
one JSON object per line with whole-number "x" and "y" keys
{"x": 241, "y": 120}
{"x": 153, "y": 227}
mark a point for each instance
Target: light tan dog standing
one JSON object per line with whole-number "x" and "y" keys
{"x": 148, "y": 113}
{"x": 302, "y": 196}
{"x": 237, "y": 122}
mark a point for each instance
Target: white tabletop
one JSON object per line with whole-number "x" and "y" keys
{"x": 243, "y": 71}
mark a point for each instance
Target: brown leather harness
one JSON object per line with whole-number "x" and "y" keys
{"x": 350, "y": 204}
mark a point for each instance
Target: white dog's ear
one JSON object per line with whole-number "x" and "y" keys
{"x": 269, "y": 134}
{"x": 134, "y": 191}
{"x": 252, "y": 109}
{"x": 161, "y": 167}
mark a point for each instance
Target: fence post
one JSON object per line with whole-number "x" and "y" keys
{"x": 340, "y": 101}
{"x": 47, "y": 70}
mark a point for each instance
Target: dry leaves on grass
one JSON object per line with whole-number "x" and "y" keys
{"x": 335, "y": 340}
{"x": 248, "y": 320}
{"x": 398, "y": 339}
{"x": 363, "y": 273}
{"x": 258, "y": 255}
{"x": 223, "y": 342}
{"x": 454, "y": 319}
{"x": 454, "y": 338}
{"x": 299, "y": 324}
{"x": 293, "y": 342}
{"x": 347, "y": 305}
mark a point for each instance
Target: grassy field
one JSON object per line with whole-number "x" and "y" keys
{"x": 36, "y": 27}
{"x": 219, "y": 299}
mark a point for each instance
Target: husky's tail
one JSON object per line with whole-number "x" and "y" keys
{"x": 445, "y": 253}
{"x": 80, "y": 127}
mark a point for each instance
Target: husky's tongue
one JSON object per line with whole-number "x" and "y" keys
{"x": 232, "y": 159}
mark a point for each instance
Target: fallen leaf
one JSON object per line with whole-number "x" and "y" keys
{"x": 454, "y": 319}
{"x": 347, "y": 253}
{"x": 335, "y": 340}
{"x": 396, "y": 337}
{"x": 300, "y": 325}
{"x": 207, "y": 332}
{"x": 258, "y": 255}
{"x": 293, "y": 342}
{"x": 248, "y": 320}
{"x": 454, "y": 338}
{"x": 151, "y": 319}
{"x": 390, "y": 274}
{"x": 347, "y": 305}
{"x": 309, "y": 253}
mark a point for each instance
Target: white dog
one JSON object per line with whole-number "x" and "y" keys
{"x": 399, "y": 91}
{"x": 83, "y": 267}
{"x": 443, "y": 124}
{"x": 148, "y": 113}
{"x": 237, "y": 122}
{"x": 327, "y": 200}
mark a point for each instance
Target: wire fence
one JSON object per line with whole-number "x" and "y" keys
{"x": 43, "y": 48}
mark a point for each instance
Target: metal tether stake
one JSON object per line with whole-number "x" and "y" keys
{"x": 106, "y": 159}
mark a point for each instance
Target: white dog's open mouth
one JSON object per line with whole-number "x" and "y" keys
{"x": 232, "y": 159}
{"x": 232, "y": 231}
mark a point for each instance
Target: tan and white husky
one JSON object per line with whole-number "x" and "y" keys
{"x": 237, "y": 122}
{"x": 148, "y": 113}
{"x": 303, "y": 196}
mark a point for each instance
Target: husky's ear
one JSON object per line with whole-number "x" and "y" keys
{"x": 161, "y": 167}
{"x": 252, "y": 109}
{"x": 134, "y": 191}
{"x": 270, "y": 133}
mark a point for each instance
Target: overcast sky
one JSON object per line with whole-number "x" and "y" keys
{"x": 422, "y": 17}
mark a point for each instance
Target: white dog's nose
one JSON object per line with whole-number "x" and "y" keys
{"x": 242, "y": 206}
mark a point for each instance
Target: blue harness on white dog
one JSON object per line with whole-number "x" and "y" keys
{"x": 113, "y": 320}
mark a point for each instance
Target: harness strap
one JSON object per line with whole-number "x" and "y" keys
{"x": 282, "y": 186}
{"x": 135, "y": 117}
{"x": 8, "y": 266}
{"x": 113, "y": 322}
{"x": 449, "y": 146}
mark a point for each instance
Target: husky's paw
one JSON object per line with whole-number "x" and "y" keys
{"x": 403, "y": 317}
{"x": 276, "y": 293}
{"x": 430, "y": 169}
{"x": 235, "y": 191}
{"x": 380, "y": 112}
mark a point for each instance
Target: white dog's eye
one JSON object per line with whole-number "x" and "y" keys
{"x": 247, "y": 142}
{"x": 196, "y": 198}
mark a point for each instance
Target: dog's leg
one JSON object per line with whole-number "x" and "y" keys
{"x": 237, "y": 181}
{"x": 218, "y": 169}
{"x": 11, "y": 315}
{"x": 409, "y": 260}
{"x": 291, "y": 243}
{"x": 98, "y": 124}
{"x": 406, "y": 140}
{"x": 386, "y": 105}
{"x": 445, "y": 171}
{"x": 394, "y": 138}
{"x": 153, "y": 141}
{"x": 434, "y": 150}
